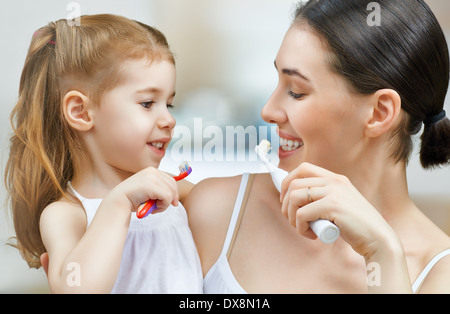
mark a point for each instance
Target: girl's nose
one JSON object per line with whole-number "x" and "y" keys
{"x": 166, "y": 120}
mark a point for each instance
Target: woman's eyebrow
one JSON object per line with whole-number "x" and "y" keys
{"x": 291, "y": 72}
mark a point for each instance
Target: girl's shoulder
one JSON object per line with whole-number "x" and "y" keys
{"x": 62, "y": 208}
{"x": 62, "y": 219}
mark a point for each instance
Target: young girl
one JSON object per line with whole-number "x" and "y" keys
{"x": 90, "y": 128}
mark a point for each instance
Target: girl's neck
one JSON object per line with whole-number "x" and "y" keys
{"x": 96, "y": 180}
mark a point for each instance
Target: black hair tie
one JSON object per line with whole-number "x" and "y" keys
{"x": 435, "y": 118}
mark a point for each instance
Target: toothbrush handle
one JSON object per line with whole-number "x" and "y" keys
{"x": 151, "y": 204}
{"x": 147, "y": 209}
{"x": 327, "y": 231}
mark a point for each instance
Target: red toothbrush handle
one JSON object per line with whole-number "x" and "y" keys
{"x": 143, "y": 212}
{"x": 149, "y": 204}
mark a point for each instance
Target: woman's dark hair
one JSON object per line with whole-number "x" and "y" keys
{"x": 406, "y": 52}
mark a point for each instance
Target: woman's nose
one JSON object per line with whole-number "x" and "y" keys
{"x": 273, "y": 111}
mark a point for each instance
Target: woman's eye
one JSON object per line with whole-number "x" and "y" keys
{"x": 296, "y": 96}
{"x": 147, "y": 104}
{"x": 170, "y": 106}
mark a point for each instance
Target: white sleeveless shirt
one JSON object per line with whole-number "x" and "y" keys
{"x": 159, "y": 255}
{"x": 220, "y": 278}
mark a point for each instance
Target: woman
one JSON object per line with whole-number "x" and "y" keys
{"x": 349, "y": 98}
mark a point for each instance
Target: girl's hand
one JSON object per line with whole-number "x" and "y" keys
{"x": 147, "y": 184}
{"x": 310, "y": 193}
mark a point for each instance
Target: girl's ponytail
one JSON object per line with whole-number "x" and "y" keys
{"x": 36, "y": 147}
{"x": 435, "y": 148}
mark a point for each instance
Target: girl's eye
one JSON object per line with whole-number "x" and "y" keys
{"x": 170, "y": 106}
{"x": 296, "y": 96}
{"x": 147, "y": 104}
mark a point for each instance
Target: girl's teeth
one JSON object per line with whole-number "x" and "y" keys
{"x": 157, "y": 144}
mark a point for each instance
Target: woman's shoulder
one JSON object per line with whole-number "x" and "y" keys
{"x": 213, "y": 196}
{"x": 209, "y": 206}
{"x": 217, "y": 195}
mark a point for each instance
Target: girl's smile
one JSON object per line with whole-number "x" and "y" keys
{"x": 159, "y": 146}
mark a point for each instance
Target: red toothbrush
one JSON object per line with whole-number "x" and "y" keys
{"x": 150, "y": 205}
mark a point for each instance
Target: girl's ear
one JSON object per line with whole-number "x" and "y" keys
{"x": 385, "y": 112}
{"x": 77, "y": 111}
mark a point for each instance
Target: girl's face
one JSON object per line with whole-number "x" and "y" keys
{"x": 133, "y": 125}
{"x": 319, "y": 120}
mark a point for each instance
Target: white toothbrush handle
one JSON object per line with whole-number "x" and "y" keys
{"x": 327, "y": 231}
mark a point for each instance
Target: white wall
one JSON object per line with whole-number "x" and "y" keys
{"x": 224, "y": 50}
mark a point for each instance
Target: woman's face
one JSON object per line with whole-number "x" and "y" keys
{"x": 319, "y": 119}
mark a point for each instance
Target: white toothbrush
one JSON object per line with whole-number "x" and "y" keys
{"x": 327, "y": 231}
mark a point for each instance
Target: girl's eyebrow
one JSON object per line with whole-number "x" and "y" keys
{"x": 291, "y": 72}
{"x": 151, "y": 90}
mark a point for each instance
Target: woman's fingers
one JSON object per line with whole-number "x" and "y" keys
{"x": 296, "y": 201}
{"x": 305, "y": 170}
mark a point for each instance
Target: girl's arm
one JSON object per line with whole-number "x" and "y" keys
{"x": 87, "y": 260}
{"x": 80, "y": 260}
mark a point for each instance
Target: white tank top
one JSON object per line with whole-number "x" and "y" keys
{"x": 220, "y": 278}
{"x": 159, "y": 255}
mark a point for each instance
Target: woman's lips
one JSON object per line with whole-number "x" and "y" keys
{"x": 288, "y": 144}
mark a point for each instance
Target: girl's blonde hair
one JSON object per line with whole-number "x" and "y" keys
{"x": 44, "y": 150}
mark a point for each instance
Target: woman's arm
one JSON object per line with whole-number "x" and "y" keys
{"x": 184, "y": 188}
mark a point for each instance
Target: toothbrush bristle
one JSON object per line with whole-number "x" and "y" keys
{"x": 264, "y": 146}
{"x": 184, "y": 167}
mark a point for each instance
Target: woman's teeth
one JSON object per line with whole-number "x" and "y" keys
{"x": 157, "y": 144}
{"x": 288, "y": 145}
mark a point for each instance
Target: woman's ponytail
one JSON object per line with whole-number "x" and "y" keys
{"x": 435, "y": 148}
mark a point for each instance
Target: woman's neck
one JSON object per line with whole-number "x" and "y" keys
{"x": 384, "y": 185}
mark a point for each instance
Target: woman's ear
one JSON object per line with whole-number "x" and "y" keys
{"x": 77, "y": 111}
{"x": 385, "y": 112}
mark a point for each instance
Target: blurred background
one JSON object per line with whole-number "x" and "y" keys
{"x": 224, "y": 52}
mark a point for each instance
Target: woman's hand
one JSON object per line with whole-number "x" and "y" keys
{"x": 310, "y": 193}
